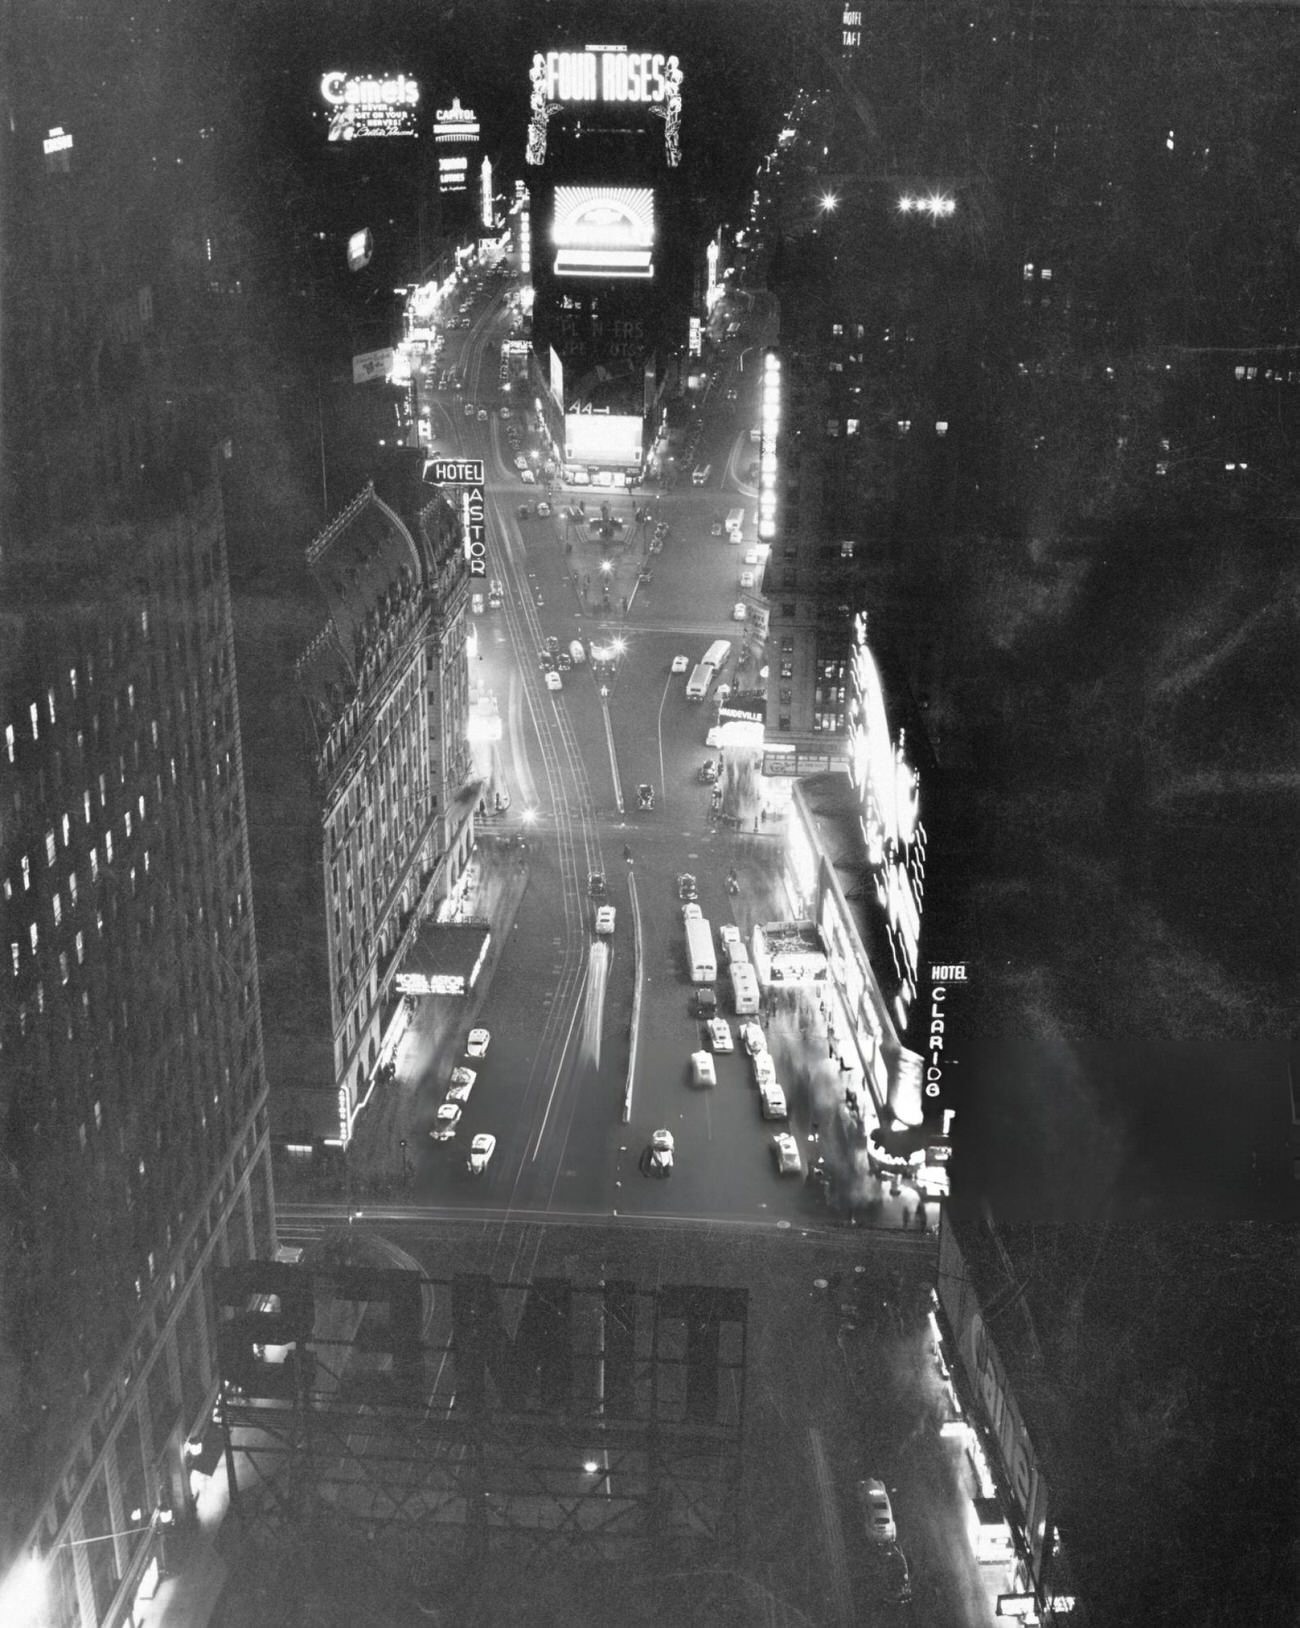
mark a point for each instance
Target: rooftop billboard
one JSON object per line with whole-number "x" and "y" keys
{"x": 604, "y": 232}
{"x": 369, "y": 104}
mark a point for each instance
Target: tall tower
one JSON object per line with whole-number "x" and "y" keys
{"x": 134, "y": 1154}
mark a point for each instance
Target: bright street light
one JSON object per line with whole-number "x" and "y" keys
{"x": 529, "y": 816}
{"x": 829, "y": 201}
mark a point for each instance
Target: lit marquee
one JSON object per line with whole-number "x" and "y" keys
{"x": 604, "y": 232}
{"x": 890, "y": 813}
{"x": 769, "y": 428}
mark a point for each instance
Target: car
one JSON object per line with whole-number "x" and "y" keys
{"x": 686, "y": 888}
{"x": 692, "y": 912}
{"x": 764, "y": 1069}
{"x": 753, "y": 1039}
{"x": 481, "y": 1150}
{"x": 596, "y": 884}
{"x": 564, "y": 661}
{"x": 504, "y": 413}
{"x": 772, "y": 1101}
{"x": 520, "y": 461}
{"x": 877, "y": 1512}
{"x": 605, "y": 919}
{"x": 728, "y": 933}
{"x": 680, "y": 664}
{"x": 552, "y": 644}
{"x": 645, "y": 796}
{"x": 482, "y": 415}
{"x": 702, "y": 1069}
{"x": 657, "y": 546}
{"x": 553, "y": 680}
{"x": 528, "y": 478}
{"x": 660, "y": 1161}
{"x": 747, "y": 579}
{"x": 469, "y": 409}
{"x": 890, "y": 1582}
{"x": 543, "y": 509}
{"x": 706, "y": 1002}
{"x": 785, "y": 1150}
{"x": 715, "y": 530}
{"x": 524, "y": 511}
{"x": 738, "y": 612}
{"x": 751, "y": 556}
{"x": 462, "y": 1084}
{"x": 445, "y": 1121}
{"x": 720, "y": 1035}
{"x": 731, "y": 394}
{"x": 478, "y": 1042}
{"x": 545, "y": 660}
{"x": 708, "y": 771}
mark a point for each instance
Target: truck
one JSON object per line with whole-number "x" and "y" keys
{"x": 697, "y": 685}
{"x": 735, "y": 521}
{"x": 699, "y": 951}
{"x": 744, "y": 988}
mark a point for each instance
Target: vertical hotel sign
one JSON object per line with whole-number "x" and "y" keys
{"x": 467, "y": 474}
{"x": 948, "y": 982}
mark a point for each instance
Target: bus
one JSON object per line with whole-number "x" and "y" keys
{"x": 717, "y": 653}
{"x": 735, "y": 520}
{"x": 697, "y": 685}
{"x": 744, "y": 989}
{"x": 699, "y": 951}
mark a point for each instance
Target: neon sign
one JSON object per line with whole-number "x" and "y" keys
{"x": 366, "y": 105}
{"x": 603, "y": 232}
{"x": 608, "y": 74}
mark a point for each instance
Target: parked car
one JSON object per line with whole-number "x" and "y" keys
{"x": 738, "y": 611}
{"x": 786, "y": 1152}
{"x": 702, "y": 1069}
{"x": 520, "y": 461}
{"x": 543, "y": 509}
{"x": 605, "y": 919}
{"x": 481, "y": 1150}
{"x": 764, "y": 1070}
{"x": 478, "y": 1042}
{"x": 445, "y": 1121}
{"x": 553, "y": 680}
{"x": 482, "y": 415}
{"x": 708, "y": 771}
{"x": 462, "y": 1083}
{"x": 645, "y": 796}
{"x": 680, "y": 664}
{"x": 660, "y": 1162}
{"x": 720, "y": 1035}
{"x": 715, "y": 530}
{"x": 686, "y": 888}
{"x": 877, "y": 1512}
{"x": 706, "y": 1001}
{"x": 890, "y": 1581}
{"x": 528, "y": 478}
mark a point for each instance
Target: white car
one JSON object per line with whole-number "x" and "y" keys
{"x": 751, "y": 556}
{"x": 729, "y": 933}
{"x": 877, "y": 1513}
{"x": 553, "y": 680}
{"x": 720, "y": 1035}
{"x": 605, "y": 919}
{"x": 753, "y": 1039}
{"x": 764, "y": 1069}
{"x": 747, "y": 579}
{"x": 661, "y": 1154}
{"x": 702, "y": 1070}
{"x": 445, "y": 1121}
{"x": 680, "y": 664}
{"x": 691, "y": 912}
{"x": 481, "y": 1150}
{"x": 738, "y": 612}
{"x": 520, "y": 461}
{"x": 477, "y": 1044}
{"x": 543, "y": 509}
{"x": 462, "y": 1083}
{"x": 786, "y": 1151}
{"x": 528, "y": 478}
{"x": 772, "y": 1101}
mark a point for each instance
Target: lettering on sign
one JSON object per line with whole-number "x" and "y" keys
{"x": 475, "y": 534}
{"x": 455, "y": 471}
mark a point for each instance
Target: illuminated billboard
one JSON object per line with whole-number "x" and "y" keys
{"x": 604, "y": 232}
{"x": 369, "y": 105}
{"x": 455, "y": 123}
{"x": 605, "y": 439}
{"x": 608, "y": 74}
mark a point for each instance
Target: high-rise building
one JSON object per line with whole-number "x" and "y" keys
{"x": 134, "y": 1155}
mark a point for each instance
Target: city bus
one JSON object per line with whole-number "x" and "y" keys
{"x": 717, "y": 653}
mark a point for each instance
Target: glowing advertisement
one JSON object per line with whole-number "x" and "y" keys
{"x": 608, "y": 74}
{"x": 475, "y": 531}
{"x": 453, "y": 172}
{"x": 604, "y": 232}
{"x": 948, "y": 982}
{"x": 455, "y": 123}
{"x": 769, "y": 427}
{"x": 366, "y": 105}
{"x": 372, "y": 364}
{"x": 602, "y": 438}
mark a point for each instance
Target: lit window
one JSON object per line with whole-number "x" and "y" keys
{"x": 15, "y": 951}
{"x": 27, "y": 873}
{"x": 36, "y": 721}
{"x": 852, "y": 426}
{"x": 72, "y": 886}
{"x": 49, "y": 704}
{"x": 130, "y": 697}
{"x": 85, "y": 804}
{"x": 10, "y": 741}
{"x": 126, "y": 821}
{"x": 63, "y": 966}
{"x": 49, "y": 847}
{"x": 72, "y": 680}
{"x": 9, "y": 888}
{"x": 81, "y": 948}
{"x": 99, "y": 1116}
{"x": 144, "y": 620}
{"x": 140, "y": 805}
{"x": 94, "y": 864}
{"x": 108, "y": 847}
{"x": 33, "y": 935}
{"x": 58, "y": 910}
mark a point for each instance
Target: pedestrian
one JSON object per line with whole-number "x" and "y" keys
{"x": 756, "y": 825}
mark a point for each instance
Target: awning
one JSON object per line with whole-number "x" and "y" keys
{"x": 445, "y": 958}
